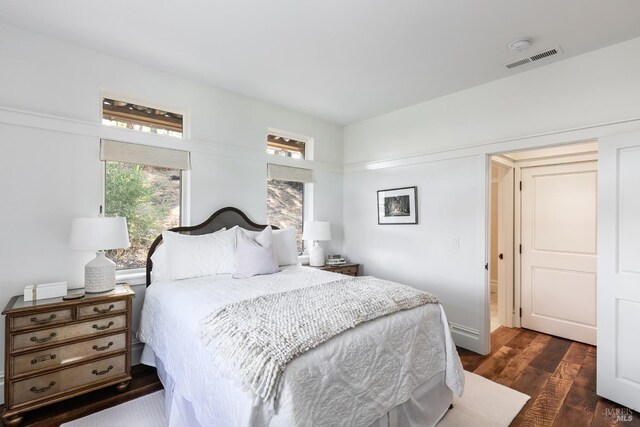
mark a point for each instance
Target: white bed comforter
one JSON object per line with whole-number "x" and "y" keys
{"x": 352, "y": 379}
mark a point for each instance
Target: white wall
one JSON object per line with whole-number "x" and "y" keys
{"x": 450, "y": 205}
{"x": 441, "y": 147}
{"x": 49, "y": 138}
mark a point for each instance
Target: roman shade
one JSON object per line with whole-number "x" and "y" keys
{"x": 115, "y": 151}
{"x": 288, "y": 173}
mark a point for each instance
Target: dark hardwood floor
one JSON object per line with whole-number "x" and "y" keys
{"x": 558, "y": 374}
{"x": 144, "y": 381}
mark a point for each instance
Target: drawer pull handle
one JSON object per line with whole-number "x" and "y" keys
{"x": 105, "y": 310}
{"x": 36, "y": 390}
{"x": 43, "y": 358}
{"x": 102, "y": 328}
{"x": 37, "y": 340}
{"x": 104, "y": 347}
{"x": 96, "y": 372}
{"x": 42, "y": 321}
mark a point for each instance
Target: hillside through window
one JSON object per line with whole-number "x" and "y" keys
{"x": 150, "y": 198}
{"x": 285, "y": 206}
{"x": 286, "y": 185}
{"x": 143, "y": 183}
{"x": 141, "y": 118}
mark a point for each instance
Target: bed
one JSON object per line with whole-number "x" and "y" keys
{"x": 397, "y": 370}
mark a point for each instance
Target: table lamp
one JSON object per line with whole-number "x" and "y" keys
{"x": 317, "y": 231}
{"x": 99, "y": 234}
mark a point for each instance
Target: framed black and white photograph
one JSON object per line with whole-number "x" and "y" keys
{"x": 398, "y": 206}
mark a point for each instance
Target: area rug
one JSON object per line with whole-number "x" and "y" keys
{"x": 145, "y": 411}
{"x": 484, "y": 404}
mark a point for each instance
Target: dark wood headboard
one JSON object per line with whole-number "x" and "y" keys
{"x": 226, "y": 217}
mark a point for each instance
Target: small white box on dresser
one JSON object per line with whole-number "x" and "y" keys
{"x": 45, "y": 290}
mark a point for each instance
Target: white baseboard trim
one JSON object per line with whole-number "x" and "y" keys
{"x": 465, "y": 337}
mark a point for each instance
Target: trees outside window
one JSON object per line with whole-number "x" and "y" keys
{"x": 150, "y": 198}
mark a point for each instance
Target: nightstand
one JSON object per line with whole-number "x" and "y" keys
{"x": 56, "y": 349}
{"x": 348, "y": 269}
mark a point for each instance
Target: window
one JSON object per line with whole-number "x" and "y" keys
{"x": 285, "y": 197}
{"x": 285, "y": 206}
{"x": 143, "y": 184}
{"x": 286, "y": 147}
{"x": 138, "y": 117}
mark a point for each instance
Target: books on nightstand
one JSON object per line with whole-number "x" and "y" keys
{"x": 335, "y": 260}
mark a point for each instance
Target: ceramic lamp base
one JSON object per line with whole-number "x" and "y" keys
{"x": 99, "y": 274}
{"x": 316, "y": 256}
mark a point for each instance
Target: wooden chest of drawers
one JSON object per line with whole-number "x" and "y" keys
{"x": 57, "y": 349}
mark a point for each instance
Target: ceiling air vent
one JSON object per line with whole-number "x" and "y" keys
{"x": 538, "y": 56}
{"x": 515, "y": 64}
{"x": 544, "y": 54}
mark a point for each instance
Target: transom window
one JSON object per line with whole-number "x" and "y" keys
{"x": 141, "y": 118}
{"x": 285, "y": 147}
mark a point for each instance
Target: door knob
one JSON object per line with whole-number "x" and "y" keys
{"x": 501, "y": 256}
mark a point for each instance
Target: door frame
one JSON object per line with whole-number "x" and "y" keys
{"x": 517, "y": 166}
{"x": 484, "y": 151}
{"x": 506, "y": 188}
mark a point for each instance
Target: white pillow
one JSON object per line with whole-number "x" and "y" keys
{"x": 254, "y": 257}
{"x": 286, "y": 246}
{"x": 160, "y": 270}
{"x": 159, "y": 260}
{"x": 284, "y": 243}
{"x": 250, "y": 233}
{"x": 195, "y": 256}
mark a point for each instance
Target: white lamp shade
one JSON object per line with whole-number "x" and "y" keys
{"x": 99, "y": 234}
{"x": 316, "y": 230}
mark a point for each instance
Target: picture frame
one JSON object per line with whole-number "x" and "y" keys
{"x": 398, "y": 206}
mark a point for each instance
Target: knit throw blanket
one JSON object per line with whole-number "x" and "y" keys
{"x": 258, "y": 337}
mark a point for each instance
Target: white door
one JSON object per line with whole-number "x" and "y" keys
{"x": 618, "y": 358}
{"x": 559, "y": 250}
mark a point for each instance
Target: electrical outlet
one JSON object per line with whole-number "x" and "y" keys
{"x": 455, "y": 243}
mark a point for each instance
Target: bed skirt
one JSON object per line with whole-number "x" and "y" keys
{"x": 426, "y": 406}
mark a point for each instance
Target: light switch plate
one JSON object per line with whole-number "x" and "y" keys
{"x": 455, "y": 243}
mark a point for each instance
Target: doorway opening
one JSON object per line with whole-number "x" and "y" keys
{"x": 501, "y": 253}
{"x": 542, "y": 240}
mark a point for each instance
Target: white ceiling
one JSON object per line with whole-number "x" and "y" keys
{"x": 342, "y": 60}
